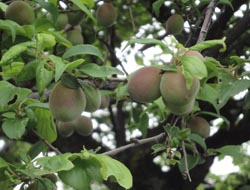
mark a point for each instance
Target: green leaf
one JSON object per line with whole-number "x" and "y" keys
{"x": 158, "y": 148}
{"x": 60, "y": 66}
{"x": 226, "y": 2}
{"x": 3, "y": 6}
{"x": 149, "y": 41}
{"x": 11, "y": 96}
{"x": 3, "y": 163}
{"x": 12, "y": 70}
{"x": 199, "y": 140}
{"x": 157, "y": 5}
{"x": 208, "y": 44}
{"x": 54, "y": 164}
{"x": 43, "y": 77}
{"x": 45, "y": 124}
{"x": 111, "y": 167}
{"x": 83, "y": 49}
{"x": 46, "y": 40}
{"x": 36, "y": 149}
{"x": 60, "y": 38}
{"x": 82, "y": 174}
{"x": 235, "y": 151}
{"x": 191, "y": 160}
{"x": 74, "y": 64}
{"x": 81, "y": 5}
{"x": 50, "y": 7}
{"x": 121, "y": 91}
{"x": 14, "y": 128}
{"x": 143, "y": 124}
{"x": 194, "y": 66}
{"x": 97, "y": 71}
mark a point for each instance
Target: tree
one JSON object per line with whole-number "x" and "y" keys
{"x": 67, "y": 43}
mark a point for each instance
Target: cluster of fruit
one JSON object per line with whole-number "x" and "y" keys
{"x": 67, "y": 104}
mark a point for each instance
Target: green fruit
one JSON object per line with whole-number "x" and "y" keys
{"x": 61, "y": 21}
{"x": 76, "y": 16}
{"x": 65, "y": 103}
{"x": 106, "y": 14}
{"x": 180, "y": 109}
{"x": 175, "y": 24}
{"x": 174, "y": 90}
{"x": 199, "y": 126}
{"x": 75, "y": 36}
{"x": 105, "y": 100}
{"x": 83, "y": 125}
{"x": 194, "y": 53}
{"x": 144, "y": 84}
{"x": 20, "y": 12}
{"x": 65, "y": 129}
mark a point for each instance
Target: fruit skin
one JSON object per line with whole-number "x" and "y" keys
{"x": 83, "y": 125}
{"x": 175, "y": 24}
{"x": 144, "y": 84}
{"x": 180, "y": 109}
{"x": 93, "y": 100}
{"x": 61, "y": 21}
{"x": 20, "y": 12}
{"x": 65, "y": 103}
{"x": 75, "y": 36}
{"x": 76, "y": 16}
{"x": 105, "y": 101}
{"x": 106, "y": 14}
{"x": 174, "y": 90}
{"x": 65, "y": 129}
{"x": 194, "y": 53}
{"x": 199, "y": 126}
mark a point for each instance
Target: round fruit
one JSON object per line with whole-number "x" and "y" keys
{"x": 83, "y": 125}
{"x": 65, "y": 129}
{"x": 105, "y": 100}
{"x": 93, "y": 99}
{"x": 175, "y": 24}
{"x": 62, "y": 21}
{"x": 194, "y": 53}
{"x": 174, "y": 90}
{"x": 144, "y": 84}
{"x": 76, "y": 16}
{"x": 20, "y": 12}
{"x": 65, "y": 103}
{"x": 75, "y": 36}
{"x": 106, "y": 14}
{"x": 199, "y": 126}
{"x": 180, "y": 109}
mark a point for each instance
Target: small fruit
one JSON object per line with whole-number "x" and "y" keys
{"x": 144, "y": 84}
{"x": 76, "y": 16}
{"x": 65, "y": 129}
{"x": 199, "y": 126}
{"x": 75, "y": 36}
{"x": 20, "y": 12}
{"x": 175, "y": 24}
{"x": 65, "y": 103}
{"x": 106, "y": 14}
{"x": 61, "y": 21}
{"x": 194, "y": 53}
{"x": 180, "y": 109}
{"x": 174, "y": 89}
{"x": 105, "y": 100}
{"x": 83, "y": 125}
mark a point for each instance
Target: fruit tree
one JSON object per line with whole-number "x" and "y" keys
{"x": 123, "y": 94}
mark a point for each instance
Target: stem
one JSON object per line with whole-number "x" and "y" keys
{"x": 131, "y": 16}
{"x": 136, "y": 143}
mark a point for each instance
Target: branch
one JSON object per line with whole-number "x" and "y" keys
{"x": 207, "y": 20}
{"x": 137, "y": 143}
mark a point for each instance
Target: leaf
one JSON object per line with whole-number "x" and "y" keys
{"x": 199, "y": 140}
{"x": 50, "y": 7}
{"x": 36, "y": 149}
{"x": 45, "y": 125}
{"x": 158, "y": 148}
{"x": 82, "y": 174}
{"x": 60, "y": 38}
{"x": 60, "y": 66}
{"x": 157, "y": 5}
{"x": 143, "y": 124}
{"x": 12, "y": 70}
{"x": 83, "y": 49}
{"x": 208, "y": 44}
{"x": 11, "y": 96}
{"x": 3, "y": 6}
{"x": 111, "y": 167}
{"x": 46, "y": 40}
{"x": 81, "y": 5}
{"x": 43, "y": 77}
{"x": 3, "y": 163}
{"x": 235, "y": 151}
{"x": 194, "y": 66}
{"x": 14, "y": 128}
{"x": 97, "y": 71}
{"x": 54, "y": 164}
{"x": 226, "y": 2}
{"x": 191, "y": 160}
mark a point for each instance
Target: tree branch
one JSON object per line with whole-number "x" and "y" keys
{"x": 156, "y": 138}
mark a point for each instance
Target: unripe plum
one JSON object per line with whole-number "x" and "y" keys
{"x": 20, "y": 12}
{"x": 105, "y": 100}
{"x": 106, "y": 14}
{"x": 83, "y": 125}
{"x": 66, "y": 103}
{"x": 76, "y": 16}
{"x": 174, "y": 89}
{"x": 75, "y": 36}
{"x": 199, "y": 126}
{"x": 175, "y": 24}
{"x": 144, "y": 84}
{"x": 194, "y": 53}
{"x": 180, "y": 109}
{"x": 65, "y": 129}
{"x": 62, "y": 21}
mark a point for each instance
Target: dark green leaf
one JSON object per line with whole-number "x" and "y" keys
{"x": 81, "y": 5}
{"x": 157, "y": 5}
{"x": 192, "y": 161}
{"x": 208, "y": 44}
{"x": 158, "y": 148}
{"x": 199, "y": 140}
{"x": 14, "y": 128}
{"x": 3, "y": 163}
{"x": 37, "y": 148}
{"x": 143, "y": 124}
{"x": 50, "y": 7}
{"x": 70, "y": 81}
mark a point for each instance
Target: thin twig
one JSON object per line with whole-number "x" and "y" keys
{"x": 136, "y": 143}
{"x": 131, "y": 16}
{"x": 207, "y": 20}
{"x": 185, "y": 153}
{"x": 46, "y": 142}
